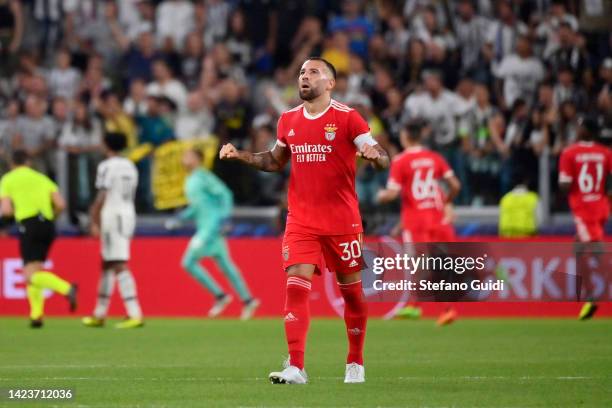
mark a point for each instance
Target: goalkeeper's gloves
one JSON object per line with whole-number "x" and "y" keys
{"x": 172, "y": 224}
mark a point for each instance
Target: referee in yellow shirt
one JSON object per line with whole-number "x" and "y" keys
{"x": 33, "y": 199}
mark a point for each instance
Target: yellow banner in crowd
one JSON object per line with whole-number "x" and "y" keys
{"x": 168, "y": 175}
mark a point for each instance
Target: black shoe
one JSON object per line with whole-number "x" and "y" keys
{"x": 72, "y": 297}
{"x": 36, "y": 323}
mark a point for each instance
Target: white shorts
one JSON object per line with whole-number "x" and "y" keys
{"x": 116, "y": 234}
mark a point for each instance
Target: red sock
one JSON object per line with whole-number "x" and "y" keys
{"x": 297, "y": 318}
{"x": 355, "y": 317}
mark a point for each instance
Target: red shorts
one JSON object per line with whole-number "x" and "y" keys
{"x": 429, "y": 233}
{"x": 339, "y": 253}
{"x": 589, "y": 230}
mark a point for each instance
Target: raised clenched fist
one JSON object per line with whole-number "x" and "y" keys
{"x": 228, "y": 152}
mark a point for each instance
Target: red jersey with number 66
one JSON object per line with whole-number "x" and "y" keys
{"x": 322, "y": 197}
{"x": 587, "y": 165}
{"x": 416, "y": 172}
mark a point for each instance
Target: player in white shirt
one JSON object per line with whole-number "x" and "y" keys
{"x": 113, "y": 220}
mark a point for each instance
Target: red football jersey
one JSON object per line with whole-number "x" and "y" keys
{"x": 322, "y": 198}
{"x": 587, "y": 165}
{"x": 416, "y": 172}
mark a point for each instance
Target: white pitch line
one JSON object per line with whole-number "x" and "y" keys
{"x": 226, "y": 379}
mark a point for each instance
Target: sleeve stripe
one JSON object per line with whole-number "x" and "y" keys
{"x": 281, "y": 144}
{"x": 564, "y": 177}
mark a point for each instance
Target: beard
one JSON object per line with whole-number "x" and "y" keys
{"x": 309, "y": 94}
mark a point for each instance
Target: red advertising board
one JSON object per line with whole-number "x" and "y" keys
{"x": 166, "y": 290}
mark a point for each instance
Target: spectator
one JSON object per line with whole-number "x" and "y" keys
{"x": 502, "y": 35}
{"x": 214, "y": 18}
{"x": 138, "y": 56}
{"x": 290, "y": 16}
{"x": 520, "y": 74}
{"x": 11, "y": 33}
{"x": 175, "y": 19}
{"x": 337, "y": 51}
{"x": 261, "y": 17}
{"x": 64, "y": 80}
{"x": 156, "y": 129}
{"x": 352, "y": 22}
{"x": 81, "y": 139}
{"x": 233, "y": 115}
{"x": 396, "y": 38}
{"x": 94, "y": 82}
{"x": 238, "y": 43}
{"x": 48, "y": 21}
{"x": 191, "y": 60}
{"x": 516, "y": 146}
{"x": 35, "y": 132}
{"x": 196, "y": 121}
{"x": 482, "y": 128}
{"x": 61, "y": 112}
{"x": 392, "y": 116}
{"x": 570, "y": 53}
{"x": 165, "y": 84}
{"x": 88, "y": 24}
{"x": 550, "y": 28}
{"x": 566, "y": 127}
{"x": 7, "y": 129}
{"x": 412, "y": 68}
{"x": 135, "y": 104}
{"x": 567, "y": 89}
{"x": 115, "y": 119}
{"x": 471, "y": 33}
{"x": 269, "y": 184}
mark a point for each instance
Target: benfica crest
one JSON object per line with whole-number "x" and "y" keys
{"x": 330, "y": 131}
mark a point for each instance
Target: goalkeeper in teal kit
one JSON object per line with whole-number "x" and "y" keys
{"x": 210, "y": 204}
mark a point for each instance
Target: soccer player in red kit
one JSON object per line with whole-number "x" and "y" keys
{"x": 415, "y": 173}
{"x": 584, "y": 172}
{"x": 321, "y": 137}
{"x": 426, "y": 214}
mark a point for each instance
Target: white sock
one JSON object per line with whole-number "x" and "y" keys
{"x": 106, "y": 286}
{"x": 127, "y": 288}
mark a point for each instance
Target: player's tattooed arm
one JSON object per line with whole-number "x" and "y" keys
{"x": 375, "y": 154}
{"x": 271, "y": 160}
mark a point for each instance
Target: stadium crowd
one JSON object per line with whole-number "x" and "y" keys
{"x": 500, "y": 83}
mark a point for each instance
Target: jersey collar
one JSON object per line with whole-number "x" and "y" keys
{"x": 313, "y": 117}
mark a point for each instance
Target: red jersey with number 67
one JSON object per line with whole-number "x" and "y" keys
{"x": 416, "y": 172}
{"x": 587, "y": 165}
{"x": 322, "y": 198}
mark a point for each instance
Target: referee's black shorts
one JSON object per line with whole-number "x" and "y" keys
{"x": 36, "y": 234}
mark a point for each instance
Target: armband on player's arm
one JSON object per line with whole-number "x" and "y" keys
{"x": 369, "y": 149}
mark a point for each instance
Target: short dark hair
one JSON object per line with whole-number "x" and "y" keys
{"x": 414, "y": 128}
{"x": 20, "y": 157}
{"x": 328, "y": 64}
{"x": 115, "y": 141}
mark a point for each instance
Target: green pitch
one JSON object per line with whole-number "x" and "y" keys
{"x": 201, "y": 363}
